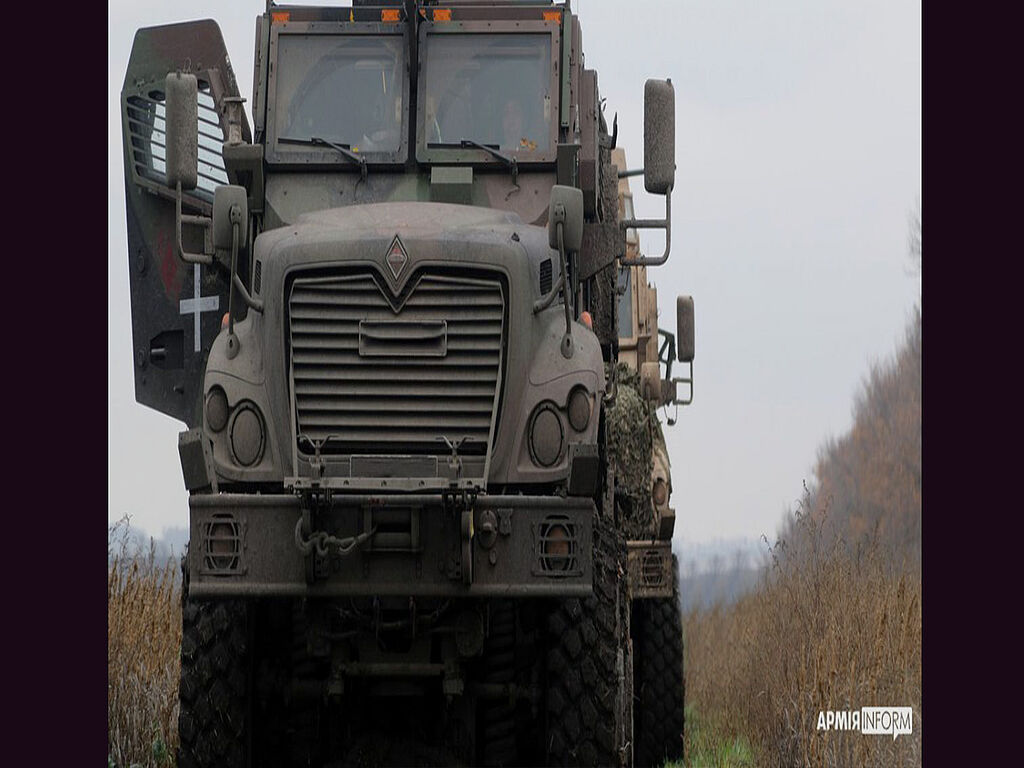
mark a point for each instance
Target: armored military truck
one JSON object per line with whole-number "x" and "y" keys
{"x": 388, "y": 314}
{"x": 644, "y": 484}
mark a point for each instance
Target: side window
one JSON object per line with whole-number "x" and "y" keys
{"x": 149, "y": 140}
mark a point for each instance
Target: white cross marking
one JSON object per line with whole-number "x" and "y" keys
{"x": 198, "y": 304}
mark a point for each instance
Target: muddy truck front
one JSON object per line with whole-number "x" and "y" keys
{"x": 386, "y": 314}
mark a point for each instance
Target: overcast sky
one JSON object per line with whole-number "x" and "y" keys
{"x": 798, "y": 152}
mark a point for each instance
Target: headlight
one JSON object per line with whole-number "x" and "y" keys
{"x": 216, "y": 409}
{"x": 579, "y": 408}
{"x": 247, "y": 435}
{"x": 660, "y": 492}
{"x": 545, "y": 436}
{"x": 558, "y": 548}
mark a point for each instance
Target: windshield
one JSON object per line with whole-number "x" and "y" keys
{"x": 343, "y": 88}
{"x": 492, "y": 89}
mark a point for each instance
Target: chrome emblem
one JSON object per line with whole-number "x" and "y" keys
{"x": 397, "y": 258}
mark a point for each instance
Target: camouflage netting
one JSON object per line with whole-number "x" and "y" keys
{"x": 633, "y": 429}
{"x": 604, "y": 304}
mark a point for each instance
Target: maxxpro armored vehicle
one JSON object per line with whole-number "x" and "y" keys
{"x": 426, "y": 525}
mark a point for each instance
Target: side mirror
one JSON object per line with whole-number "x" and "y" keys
{"x": 684, "y": 328}
{"x": 182, "y": 121}
{"x": 659, "y": 164}
{"x": 566, "y": 206}
{"x": 226, "y": 197}
{"x": 659, "y": 136}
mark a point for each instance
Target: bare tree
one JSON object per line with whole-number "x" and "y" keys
{"x": 914, "y": 237}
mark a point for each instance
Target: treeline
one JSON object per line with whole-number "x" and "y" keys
{"x": 834, "y": 624}
{"x": 868, "y": 482}
{"x": 128, "y": 543}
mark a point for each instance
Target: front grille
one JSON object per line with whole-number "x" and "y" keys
{"x": 383, "y": 381}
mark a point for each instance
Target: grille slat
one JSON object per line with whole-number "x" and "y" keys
{"x": 419, "y": 421}
{"x": 385, "y": 402}
{"x": 319, "y": 357}
{"x": 465, "y": 326}
{"x": 358, "y": 389}
{"x": 429, "y": 299}
{"x": 371, "y": 441}
{"x": 319, "y": 334}
{"x": 349, "y": 313}
{"x": 339, "y": 405}
{"x": 451, "y": 374}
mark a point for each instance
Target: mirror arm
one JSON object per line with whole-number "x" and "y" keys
{"x": 254, "y": 304}
{"x": 545, "y": 301}
{"x": 688, "y": 380}
{"x": 236, "y": 281}
{"x": 566, "y": 294}
{"x": 232, "y": 339}
{"x": 237, "y": 286}
{"x": 668, "y": 344}
{"x": 189, "y": 258}
{"x": 666, "y": 224}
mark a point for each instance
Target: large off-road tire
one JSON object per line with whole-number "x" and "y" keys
{"x": 658, "y": 677}
{"x": 586, "y": 705}
{"x": 497, "y": 718}
{"x": 214, "y": 715}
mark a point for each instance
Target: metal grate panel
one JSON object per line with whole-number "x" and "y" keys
{"x": 545, "y": 277}
{"x": 146, "y": 129}
{"x": 652, "y": 569}
{"x": 222, "y": 545}
{"x": 556, "y": 547}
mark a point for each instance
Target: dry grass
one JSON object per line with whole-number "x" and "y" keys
{"x": 143, "y": 646}
{"x": 831, "y": 627}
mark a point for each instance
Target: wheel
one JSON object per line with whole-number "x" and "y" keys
{"x": 658, "y": 676}
{"x": 587, "y": 705}
{"x": 213, "y": 716}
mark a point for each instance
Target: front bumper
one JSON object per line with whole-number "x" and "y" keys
{"x": 244, "y": 545}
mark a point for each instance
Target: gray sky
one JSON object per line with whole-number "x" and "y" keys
{"x": 798, "y": 153}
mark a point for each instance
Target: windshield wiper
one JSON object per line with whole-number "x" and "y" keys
{"x": 509, "y": 161}
{"x": 355, "y": 157}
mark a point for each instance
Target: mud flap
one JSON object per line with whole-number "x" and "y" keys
{"x": 176, "y": 307}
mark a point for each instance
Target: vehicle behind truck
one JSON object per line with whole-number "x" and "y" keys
{"x": 428, "y": 491}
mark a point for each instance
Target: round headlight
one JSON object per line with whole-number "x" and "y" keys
{"x": 217, "y": 409}
{"x": 579, "y": 409}
{"x": 545, "y": 436}
{"x": 247, "y": 435}
{"x": 660, "y": 492}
